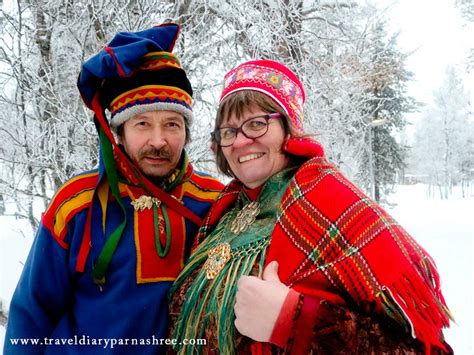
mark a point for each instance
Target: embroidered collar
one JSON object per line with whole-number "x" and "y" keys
{"x": 223, "y": 257}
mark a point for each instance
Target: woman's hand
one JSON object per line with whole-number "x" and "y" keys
{"x": 258, "y": 303}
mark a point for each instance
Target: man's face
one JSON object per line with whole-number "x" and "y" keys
{"x": 154, "y": 141}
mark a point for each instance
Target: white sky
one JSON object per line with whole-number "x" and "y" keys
{"x": 438, "y": 35}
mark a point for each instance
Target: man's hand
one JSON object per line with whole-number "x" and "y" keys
{"x": 258, "y": 303}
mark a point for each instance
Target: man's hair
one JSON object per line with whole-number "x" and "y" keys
{"x": 236, "y": 104}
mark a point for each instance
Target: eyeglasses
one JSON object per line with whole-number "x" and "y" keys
{"x": 252, "y": 128}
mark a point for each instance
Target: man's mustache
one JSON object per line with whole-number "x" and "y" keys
{"x": 155, "y": 153}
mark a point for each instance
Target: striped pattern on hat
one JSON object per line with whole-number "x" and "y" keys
{"x": 158, "y": 83}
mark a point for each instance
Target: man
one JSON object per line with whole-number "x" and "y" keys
{"x": 113, "y": 239}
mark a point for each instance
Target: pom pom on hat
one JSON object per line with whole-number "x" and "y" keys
{"x": 272, "y": 79}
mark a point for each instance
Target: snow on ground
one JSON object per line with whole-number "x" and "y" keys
{"x": 16, "y": 237}
{"x": 443, "y": 227}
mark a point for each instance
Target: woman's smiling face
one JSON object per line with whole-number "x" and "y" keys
{"x": 254, "y": 161}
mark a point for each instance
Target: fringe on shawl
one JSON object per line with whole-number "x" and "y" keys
{"x": 409, "y": 300}
{"x": 212, "y": 298}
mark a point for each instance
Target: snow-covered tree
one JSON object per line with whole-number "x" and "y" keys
{"x": 443, "y": 148}
{"x": 49, "y": 135}
{"x": 467, "y": 11}
{"x": 467, "y": 8}
{"x": 386, "y": 81}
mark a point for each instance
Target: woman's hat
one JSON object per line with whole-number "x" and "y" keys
{"x": 270, "y": 78}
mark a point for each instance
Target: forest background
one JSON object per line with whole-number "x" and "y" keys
{"x": 353, "y": 71}
{"x": 349, "y": 58}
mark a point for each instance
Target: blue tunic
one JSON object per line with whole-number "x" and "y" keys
{"x": 64, "y": 311}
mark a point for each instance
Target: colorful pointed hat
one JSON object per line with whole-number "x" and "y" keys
{"x": 137, "y": 73}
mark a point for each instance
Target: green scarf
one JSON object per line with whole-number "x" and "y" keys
{"x": 211, "y": 301}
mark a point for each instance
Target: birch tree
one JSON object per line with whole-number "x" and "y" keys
{"x": 467, "y": 11}
{"x": 443, "y": 148}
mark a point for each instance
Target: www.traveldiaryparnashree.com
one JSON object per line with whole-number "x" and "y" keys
{"x": 86, "y": 340}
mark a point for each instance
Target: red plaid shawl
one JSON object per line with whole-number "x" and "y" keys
{"x": 333, "y": 242}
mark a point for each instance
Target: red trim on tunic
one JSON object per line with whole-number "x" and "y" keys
{"x": 303, "y": 331}
{"x": 85, "y": 244}
{"x": 282, "y": 328}
{"x": 69, "y": 190}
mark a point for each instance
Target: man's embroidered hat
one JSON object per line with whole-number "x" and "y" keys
{"x": 137, "y": 73}
{"x": 158, "y": 83}
{"x": 270, "y": 78}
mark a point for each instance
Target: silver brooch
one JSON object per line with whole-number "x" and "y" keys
{"x": 245, "y": 217}
{"x": 145, "y": 202}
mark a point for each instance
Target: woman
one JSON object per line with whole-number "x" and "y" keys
{"x": 348, "y": 279}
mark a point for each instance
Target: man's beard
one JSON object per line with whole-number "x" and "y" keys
{"x": 157, "y": 153}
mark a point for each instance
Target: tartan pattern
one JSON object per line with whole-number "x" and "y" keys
{"x": 304, "y": 221}
{"x": 336, "y": 238}
{"x": 333, "y": 242}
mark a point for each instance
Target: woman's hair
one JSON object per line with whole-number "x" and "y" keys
{"x": 237, "y": 103}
